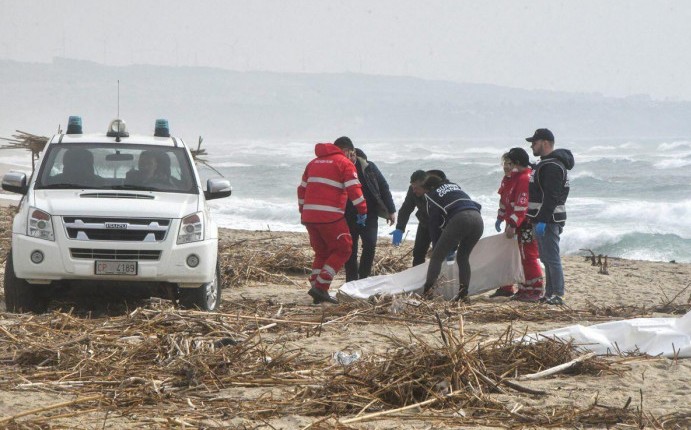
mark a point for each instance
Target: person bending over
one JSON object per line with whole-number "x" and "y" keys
{"x": 455, "y": 224}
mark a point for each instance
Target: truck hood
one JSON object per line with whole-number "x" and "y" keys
{"x": 116, "y": 203}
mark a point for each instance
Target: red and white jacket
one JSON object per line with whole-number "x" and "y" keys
{"x": 513, "y": 203}
{"x": 328, "y": 181}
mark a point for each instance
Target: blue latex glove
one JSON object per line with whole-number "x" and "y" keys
{"x": 397, "y": 237}
{"x": 361, "y": 220}
{"x": 540, "y": 228}
{"x": 451, "y": 255}
{"x": 497, "y": 225}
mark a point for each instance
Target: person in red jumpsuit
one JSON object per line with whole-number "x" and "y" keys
{"x": 327, "y": 183}
{"x": 514, "y": 200}
{"x": 506, "y": 290}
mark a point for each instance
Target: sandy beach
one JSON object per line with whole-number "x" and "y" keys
{"x": 65, "y": 357}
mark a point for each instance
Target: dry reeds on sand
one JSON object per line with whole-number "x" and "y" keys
{"x": 194, "y": 368}
{"x": 157, "y": 366}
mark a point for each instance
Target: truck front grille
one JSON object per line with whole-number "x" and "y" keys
{"x": 117, "y": 229}
{"x": 114, "y": 254}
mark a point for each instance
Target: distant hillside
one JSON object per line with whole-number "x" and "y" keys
{"x": 219, "y": 103}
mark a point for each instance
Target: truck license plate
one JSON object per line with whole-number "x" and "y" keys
{"x": 105, "y": 267}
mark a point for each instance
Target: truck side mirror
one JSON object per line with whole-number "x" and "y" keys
{"x": 217, "y": 188}
{"x": 15, "y": 182}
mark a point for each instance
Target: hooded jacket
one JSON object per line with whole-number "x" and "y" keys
{"x": 374, "y": 188}
{"x": 327, "y": 183}
{"x": 443, "y": 203}
{"x": 513, "y": 203}
{"x": 549, "y": 187}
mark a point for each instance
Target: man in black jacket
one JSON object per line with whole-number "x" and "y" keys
{"x": 549, "y": 189}
{"x": 379, "y": 204}
{"x": 415, "y": 199}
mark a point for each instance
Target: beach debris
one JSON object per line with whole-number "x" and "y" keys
{"x": 23, "y": 140}
{"x": 345, "y": 359}
{"x": 592, "y": 257}
{"x": 603, "y": 267}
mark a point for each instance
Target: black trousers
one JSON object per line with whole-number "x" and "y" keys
{"x": 461, "y": 234}
{"x": 422, "y": 243}
{"x": 368, "y": 234}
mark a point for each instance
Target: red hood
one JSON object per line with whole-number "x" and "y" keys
{"x": 326, "y": 149}
{"x": 516, "y": 174}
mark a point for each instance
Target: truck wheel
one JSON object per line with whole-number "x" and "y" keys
{"x": 21, "y": 296}
{"x": 206, "y": 298}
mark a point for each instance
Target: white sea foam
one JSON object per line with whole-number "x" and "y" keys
{"x": 672, "y": 163}
{"x": 674, "y": 145}
{"x": 584, "y": 174}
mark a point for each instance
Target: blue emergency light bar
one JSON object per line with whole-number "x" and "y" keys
{"x": 162, "y": 129}
{"x": 74, "y": 125}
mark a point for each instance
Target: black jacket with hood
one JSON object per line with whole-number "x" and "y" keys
{"x": 374, "y": 188}
{"x": 549, "y": 187}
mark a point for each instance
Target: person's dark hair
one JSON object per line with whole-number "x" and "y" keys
{"x": 418, "y": 176}
{"x": 519, "y": 157}
{"x": 432, "y": 182}
{"x": 344, "y": 142}
{"x": 438, "y": 173}
{"x": 360, "y": 153}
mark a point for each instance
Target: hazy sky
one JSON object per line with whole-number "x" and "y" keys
{"x": 614, "y": 47}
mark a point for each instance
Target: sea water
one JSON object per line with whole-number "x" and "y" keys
{"x": 628, "y": 198}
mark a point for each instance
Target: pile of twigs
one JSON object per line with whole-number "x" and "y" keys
{"x": 271, "y": 259}
{"x": 188, "y": 366}
{"x": 269, "y": 262}
{"x": 28, "y": 141}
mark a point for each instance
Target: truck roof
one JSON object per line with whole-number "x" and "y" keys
{"x": 134, "y": 139}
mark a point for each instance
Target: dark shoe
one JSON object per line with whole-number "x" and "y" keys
{"x": 526, "y": 296}
{"x": 427, "y": 291}
{"x": 462, "y": 295}
{"x": 501, "y": 293}
{"x": 555, "y": 300}
{"x": 544, "y": 299}
{"x": 321, "y": 296}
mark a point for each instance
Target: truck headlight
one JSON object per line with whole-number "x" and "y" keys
{"x": 40, "y": 225}
{"x": 191, "y": 228}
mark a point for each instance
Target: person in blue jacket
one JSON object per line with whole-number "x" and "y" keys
{"x": 379, "y": 204}
{"x": 455, "y": 224}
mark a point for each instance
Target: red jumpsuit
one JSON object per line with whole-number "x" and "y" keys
{"x": 513, "y": 207}
{"x": 329, "y": 180}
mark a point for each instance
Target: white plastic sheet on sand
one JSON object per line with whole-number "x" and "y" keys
{"x": 652, "y": 336}
{"x": 494, "y": 262}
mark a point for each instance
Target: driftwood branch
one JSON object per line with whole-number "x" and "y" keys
{"x": 556, "y": 369}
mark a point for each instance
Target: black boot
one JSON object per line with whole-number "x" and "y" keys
{"x": 320, "y": 296}
{"x": 462, "y": 294}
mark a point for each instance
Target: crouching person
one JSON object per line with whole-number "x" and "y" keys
{"x": 327, "y": 183}
{"x": 455, "y": 224}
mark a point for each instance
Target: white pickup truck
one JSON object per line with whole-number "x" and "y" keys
{"x": 112, "y": 210}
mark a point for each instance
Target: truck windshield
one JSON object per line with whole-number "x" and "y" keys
{"x": 116, "y": 167}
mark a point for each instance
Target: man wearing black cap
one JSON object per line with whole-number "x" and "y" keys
{"x": 549, "y": 189}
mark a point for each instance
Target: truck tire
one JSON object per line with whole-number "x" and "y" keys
{"x": 21, "y": 296}
{"x": 205, "y": 298}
